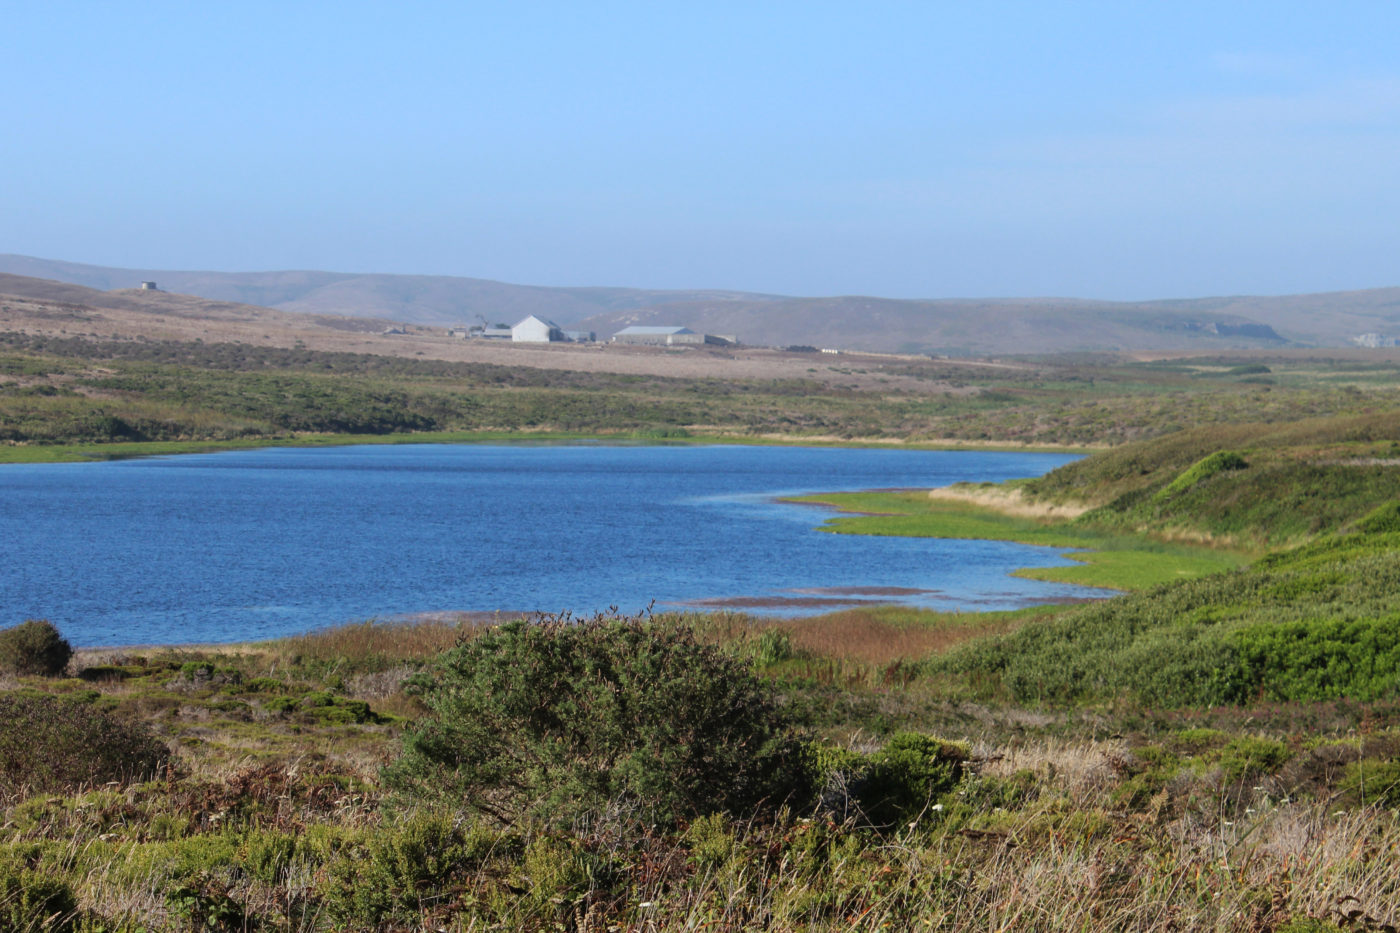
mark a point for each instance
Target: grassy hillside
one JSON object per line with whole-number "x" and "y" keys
{"x": 67, "y": 389}
{"x": 1254, "y": 483}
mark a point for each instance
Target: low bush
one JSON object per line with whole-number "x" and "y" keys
{"x": 1372, "y": 781}
{"x": 48, "y": 744}
{"x": 907, "y": 777}
{"x": 899, "y": 784}
{"x": 404, "y": 870}
{"x": 568, "y": 721}
{"x": 34, "y": 647}
{"x": 31, "y": 901}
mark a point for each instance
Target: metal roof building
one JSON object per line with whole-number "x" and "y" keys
{"x": 655, "y": 336}
{"x": 669, "y": 336}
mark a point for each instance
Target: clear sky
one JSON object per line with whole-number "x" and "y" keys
{"x": 926, "y": 149}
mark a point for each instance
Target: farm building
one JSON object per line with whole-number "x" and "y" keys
{"x": 536, "y": 330}
{"x": 666, "y": 336}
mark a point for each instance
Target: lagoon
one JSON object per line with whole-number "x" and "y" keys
{"x": 259, "y": 544}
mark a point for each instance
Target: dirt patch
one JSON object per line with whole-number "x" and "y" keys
{"x": 866, "y": 591}
{"x": 774, "y": 602}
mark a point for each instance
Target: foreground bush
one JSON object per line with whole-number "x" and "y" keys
{"x": 48, "y": 744}
{"x": 32, "y": 901}
{"x": 566, "y": 721}
{"x": 34, "y": 647}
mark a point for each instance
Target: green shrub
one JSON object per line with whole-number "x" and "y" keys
{"x": 1384, "y": 519}
{"x": 633, "y": 718}
{"x": 34, "y": 647}
{"x": 1372, "y": 781}
{"x": 1249, "y": 756}
{"x": 31, "y": 902}
{"x": 205, "y": 903}
{"x": 907, "y": 777}
{"x": 48, "y": 744}
{"x": 711, "y": 841}
{"x": 403, "y": 870}
{"x": 1203, "y": 469}
{"x": 279, "y": 704}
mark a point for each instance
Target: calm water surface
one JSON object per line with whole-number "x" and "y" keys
{"x": 257, "y": 544}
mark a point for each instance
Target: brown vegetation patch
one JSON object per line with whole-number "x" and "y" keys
{"x": 1008, "y": 501}
{"x": 771, "y": 602}
{"x": 861, "y": 636}
{"x": 365, "y": 641}
{"x": 866, "y": 590}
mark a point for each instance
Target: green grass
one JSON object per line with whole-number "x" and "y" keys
{"x": 1105, "y": 559}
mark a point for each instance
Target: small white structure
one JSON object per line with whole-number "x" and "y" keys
{"x": 149, "y": 287}
{"x": 536, "y": 330}
{"x": 668, "y": 336}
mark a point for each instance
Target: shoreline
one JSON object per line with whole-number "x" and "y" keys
{"x": 128, "y": 450}
{"x": 1114, "y": 561}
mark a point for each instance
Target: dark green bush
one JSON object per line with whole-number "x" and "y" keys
{"x": 629, "y": 718}
{"x": 49, "y": 745}
{"x": 907, "y": 777}
{"x": 34, "y": 647}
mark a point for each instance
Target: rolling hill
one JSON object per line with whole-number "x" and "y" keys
{"x": 942, "y": 326}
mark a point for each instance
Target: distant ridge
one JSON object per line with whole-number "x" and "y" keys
{"x": 421, "y": 299}
{"x": 947, "y": 326}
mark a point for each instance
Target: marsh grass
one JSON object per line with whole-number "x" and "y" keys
{"x": 366, "y": 647}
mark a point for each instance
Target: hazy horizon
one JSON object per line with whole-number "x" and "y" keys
{"x": 690, "y": 288}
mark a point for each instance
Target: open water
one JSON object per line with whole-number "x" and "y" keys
{"x": 258, "y": 544}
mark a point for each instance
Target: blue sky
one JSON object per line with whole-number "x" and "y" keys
{"x": 1103, "y": 150}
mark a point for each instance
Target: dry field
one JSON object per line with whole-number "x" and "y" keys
{"x": 164, "y": 316}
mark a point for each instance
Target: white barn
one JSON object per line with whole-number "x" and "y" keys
{"x": 536, "y": 330}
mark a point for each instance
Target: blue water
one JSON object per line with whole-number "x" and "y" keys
{"x": 257, "y": 544}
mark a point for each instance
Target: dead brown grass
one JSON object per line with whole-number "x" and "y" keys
{"x": 865, "y": 637}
